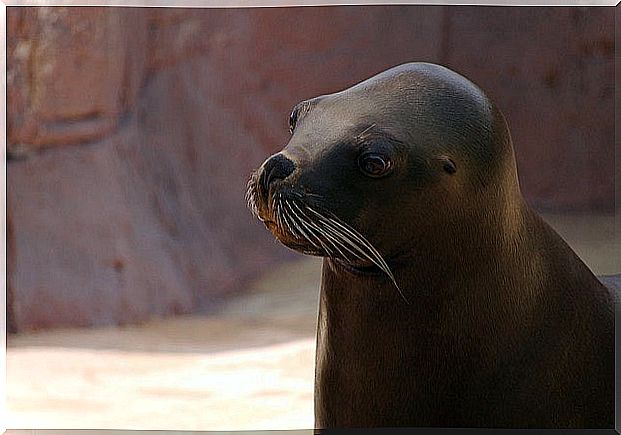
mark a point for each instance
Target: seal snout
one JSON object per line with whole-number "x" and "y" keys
{"x": 277, "y": 167}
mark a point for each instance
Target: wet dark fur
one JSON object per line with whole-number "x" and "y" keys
{"x": 504, "y": 325}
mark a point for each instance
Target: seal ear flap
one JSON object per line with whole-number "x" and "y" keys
{"x": 448, "y": 165}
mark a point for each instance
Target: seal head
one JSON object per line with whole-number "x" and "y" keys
{"x": 371, "y": 170}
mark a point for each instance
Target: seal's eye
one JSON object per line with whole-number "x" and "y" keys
{"x": 374, "y": 165}
{"x": 449, "y": 166}
{"x": 293, "y": 119}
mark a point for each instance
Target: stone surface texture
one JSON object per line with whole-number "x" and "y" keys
{"x": 132, "y": 131}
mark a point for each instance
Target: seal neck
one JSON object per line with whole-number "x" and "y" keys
{"x": 448, "y": 263}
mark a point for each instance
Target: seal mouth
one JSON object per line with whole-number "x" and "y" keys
{"x": 359, "y": 269}
{"x": 291, "y": 241}
{"x": 299, "y": 222}
{"x": 274, "y": 209}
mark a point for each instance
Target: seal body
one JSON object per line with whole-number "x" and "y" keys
{"x": 445, "y": 300}
{"x": 471, "y": 350}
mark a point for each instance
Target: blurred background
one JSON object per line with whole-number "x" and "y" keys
{"x": 137, "y": 279}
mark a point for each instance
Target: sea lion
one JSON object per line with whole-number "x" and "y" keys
{"x": 446, "y": 301}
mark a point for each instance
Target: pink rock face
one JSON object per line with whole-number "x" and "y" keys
{"x": 136, "y": 130}
{"x": 73, "y": 74}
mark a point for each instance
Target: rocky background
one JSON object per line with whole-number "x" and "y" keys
{"x": 132, "y": 131}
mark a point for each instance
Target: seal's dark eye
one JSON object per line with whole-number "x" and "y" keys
{"x": 374, "y": 165}
{"x": 293, "y": 119}
{"x": 449, "y": 166}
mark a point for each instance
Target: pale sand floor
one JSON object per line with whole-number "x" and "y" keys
{"x": 248, "y": 368}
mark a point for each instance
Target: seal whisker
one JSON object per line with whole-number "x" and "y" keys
{"x": 355, "y": 243}
{"x": 337, "y": 238}
{"x": 365, "y": 249}
{"x": 279, "y": 215}
{"x": 251, "y": 200}
{"x": 335, "y": 242}
{"x": 373, "y": 255}
{"x": 336, "y": 221}
{"x": 279, "y": 211}
{"x": 329, "y": 239}
{"x": 297, "y": 223}
{"x": 249, "y": 195}
{"x": 298, "y": 231}
{"x": 344, "y": 242}
{"x": 313, "y": 195}
{"x": 289, "y": 225}
{"x": 361, "y": 135}
{"x": 362, "y": 242}
{"x": 301, "y": 221}
{"x": 349, "y": 234}
{"x": 314, "y": 232}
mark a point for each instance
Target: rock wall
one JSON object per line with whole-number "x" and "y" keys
{"x": 131, "y": 133}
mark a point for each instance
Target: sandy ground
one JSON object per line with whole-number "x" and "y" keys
{"x": 248, "y": 368}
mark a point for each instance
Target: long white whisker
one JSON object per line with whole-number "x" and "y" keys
{"x": 362, "y": 253}
{"x": 296, "y": 221}
{"x": 349, "y": 235}
{"x": 329, "y": 239}
{"x": 374, "y": 256}
{"x": 296, "y": 224}
{"x": 352, "y": 233}
{"x": 289, "y": 224}
{"x": 335, "y": 242}
{"x": 362, "y": 241}
{"x": 292, "y": 228}
{"x": 312, "y": 232}
{"x": 338, "y": 239}
{"x": 251, "y": 200}
{"x": 366, "y": 129}
{"x": 279, "y": 215}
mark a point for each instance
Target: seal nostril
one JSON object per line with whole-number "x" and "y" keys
{"x": 278, "y": 167}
